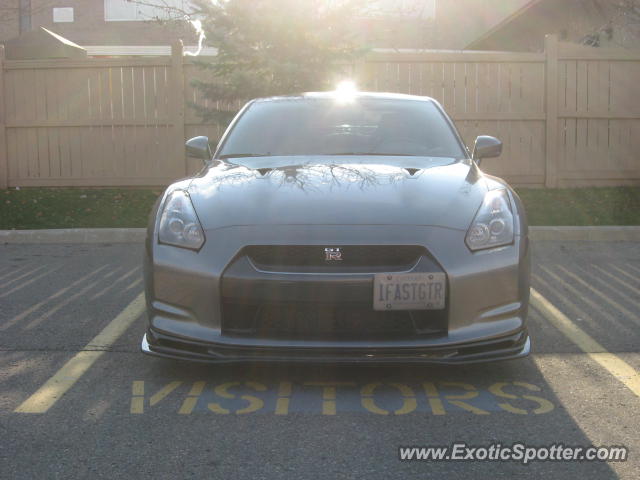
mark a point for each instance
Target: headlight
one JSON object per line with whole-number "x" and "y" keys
{"x": 179, "y": 224}
{"x": 493, "y": 224}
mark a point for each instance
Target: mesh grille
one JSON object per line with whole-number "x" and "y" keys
{"x": 325, "y": 322}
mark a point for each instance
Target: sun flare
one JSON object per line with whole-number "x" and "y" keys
{"x": 345, "y": 91}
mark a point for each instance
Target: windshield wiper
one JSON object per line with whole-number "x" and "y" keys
{"x": 242, "y": 155}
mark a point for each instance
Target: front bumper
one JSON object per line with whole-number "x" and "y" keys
{"x": 506, "y": 348}
{"x": 485, "y": 317}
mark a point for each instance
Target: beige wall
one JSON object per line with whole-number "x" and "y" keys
{"x": 9, "y": 19}
{"x": 89, "y": 26}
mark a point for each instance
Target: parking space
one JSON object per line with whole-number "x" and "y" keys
{"x": 76, "y": 390}
{"x": 596, "y": 286}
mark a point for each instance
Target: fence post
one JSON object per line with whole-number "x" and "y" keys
{"x": 4, "y": 154}
{"x": 551, "y": 107}
{"x": 177, "y": 105}
{"x": 359, "y": 74}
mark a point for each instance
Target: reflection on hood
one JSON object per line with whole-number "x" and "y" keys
{"x": 421, "y": 191}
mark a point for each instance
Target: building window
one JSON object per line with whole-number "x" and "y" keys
{"x": 132, "y": 11}
{"x": 63, "y": 15}
{"x": 419, "y": 9}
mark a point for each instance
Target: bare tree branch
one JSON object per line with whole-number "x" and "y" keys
{"x": 621, "y": 26}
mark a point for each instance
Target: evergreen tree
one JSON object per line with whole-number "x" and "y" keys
{"x": 273, "y": 47}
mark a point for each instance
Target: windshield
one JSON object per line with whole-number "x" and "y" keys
{"x": 312, "y": 126}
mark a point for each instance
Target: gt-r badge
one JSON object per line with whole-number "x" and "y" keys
{"x": 332, "y": 254}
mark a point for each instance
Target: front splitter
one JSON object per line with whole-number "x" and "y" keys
{"x": 506, "y": 348}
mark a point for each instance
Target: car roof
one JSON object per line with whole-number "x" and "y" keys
{"x": 358, "y": 95}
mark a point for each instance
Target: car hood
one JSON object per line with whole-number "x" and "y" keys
{"x": 368, "y": 190}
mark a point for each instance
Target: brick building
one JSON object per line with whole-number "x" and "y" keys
{"x": 93, "y": 22}
{"x": 397, "y": 24}
{"x": 598, "y": 23}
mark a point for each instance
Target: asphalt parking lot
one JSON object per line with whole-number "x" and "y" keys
{"x": 78, "y": 399}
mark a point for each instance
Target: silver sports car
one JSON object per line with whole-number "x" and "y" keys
{"x": 339, "y": 228}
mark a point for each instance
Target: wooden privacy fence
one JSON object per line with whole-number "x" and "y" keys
{"x": 568, "y": 116}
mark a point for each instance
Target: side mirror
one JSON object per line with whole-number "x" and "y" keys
{"x": 486, "y": 147}
{"x": 198, "y": 147}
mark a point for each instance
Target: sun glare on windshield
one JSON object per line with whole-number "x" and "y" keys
{"x": 345, "y": 91}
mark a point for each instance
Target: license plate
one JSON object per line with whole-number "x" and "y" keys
{"x": 409, "y": 291}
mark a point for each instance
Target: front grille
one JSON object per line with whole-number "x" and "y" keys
{"x": 354, "y": 257}
{"x": 311, "y": 322}
{"x": 266, "y": 292}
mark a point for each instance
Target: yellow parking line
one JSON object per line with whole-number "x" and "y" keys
{"x": 137, "y": 398}
{"x": 133, "y": 284}
{"x": 49, "y": 393}
{"x": 617, "y": 367}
